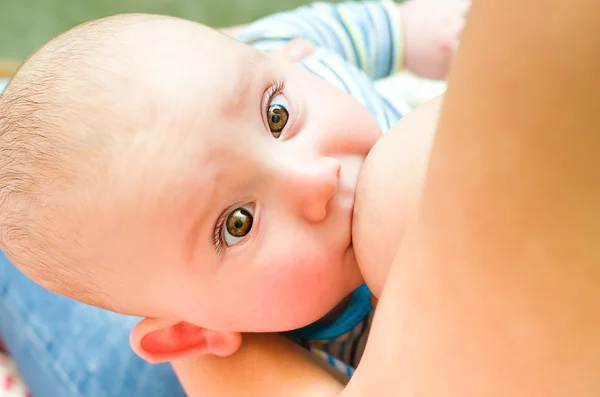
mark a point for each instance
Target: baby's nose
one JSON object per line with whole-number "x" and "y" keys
{"x": 312, "y": 185}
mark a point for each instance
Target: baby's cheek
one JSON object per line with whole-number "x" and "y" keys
{"x": 296, "y": 267}
{"x": 295, "y": 275}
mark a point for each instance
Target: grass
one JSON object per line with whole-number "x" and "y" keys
{"x": 27, "y": 24}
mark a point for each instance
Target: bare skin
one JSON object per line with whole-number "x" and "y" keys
{"x": 389, "y": 190}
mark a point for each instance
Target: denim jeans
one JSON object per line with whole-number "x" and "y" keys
{"x": 67, "y": 349}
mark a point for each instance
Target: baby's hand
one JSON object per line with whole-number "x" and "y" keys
{"x": 431, "y": 32}
{"x": 295, "y": 50}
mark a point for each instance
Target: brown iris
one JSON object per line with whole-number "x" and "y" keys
{"x": 239, "y": 223}
{"x": 277, "y": 118}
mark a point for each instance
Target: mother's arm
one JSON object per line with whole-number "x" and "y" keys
{"x": 266, "y": 365}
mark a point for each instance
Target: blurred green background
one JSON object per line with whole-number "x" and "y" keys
{"x": 27, "y": 24}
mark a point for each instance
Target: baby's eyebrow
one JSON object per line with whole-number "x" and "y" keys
{"x": 252, "y": 64}
{"x": 245, "y": 80}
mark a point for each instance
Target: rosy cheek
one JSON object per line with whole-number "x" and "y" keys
{"x": 293, "y": 272}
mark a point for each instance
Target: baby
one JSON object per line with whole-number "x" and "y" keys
{"x": 156, "y": 167}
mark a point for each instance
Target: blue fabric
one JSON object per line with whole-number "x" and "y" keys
{"x": 68, "y": 349}
{"x": 358, "y": 309}
{"x": 365, "y": 35}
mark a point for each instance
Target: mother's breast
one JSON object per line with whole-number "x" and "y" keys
{"x": 388, "y": 191}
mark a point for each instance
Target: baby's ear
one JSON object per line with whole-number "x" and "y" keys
{"x": 159, "y": 340}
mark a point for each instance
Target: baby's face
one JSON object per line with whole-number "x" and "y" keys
{"x": 232, "y": 210}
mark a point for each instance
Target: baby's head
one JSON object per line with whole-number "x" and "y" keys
{"x": 158, "y": 168}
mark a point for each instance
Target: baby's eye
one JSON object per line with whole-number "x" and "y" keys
{"x": 277, "y": 115}
{"x": 237, "y": 225}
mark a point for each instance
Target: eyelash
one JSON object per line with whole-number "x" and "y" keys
{"x": 218, "y": 232}
{"x": 275, "y": 89}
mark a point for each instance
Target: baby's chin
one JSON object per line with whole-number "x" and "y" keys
{"x": 350, "y": 279}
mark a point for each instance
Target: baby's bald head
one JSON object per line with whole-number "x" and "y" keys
{"x": 69, "y": 113}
